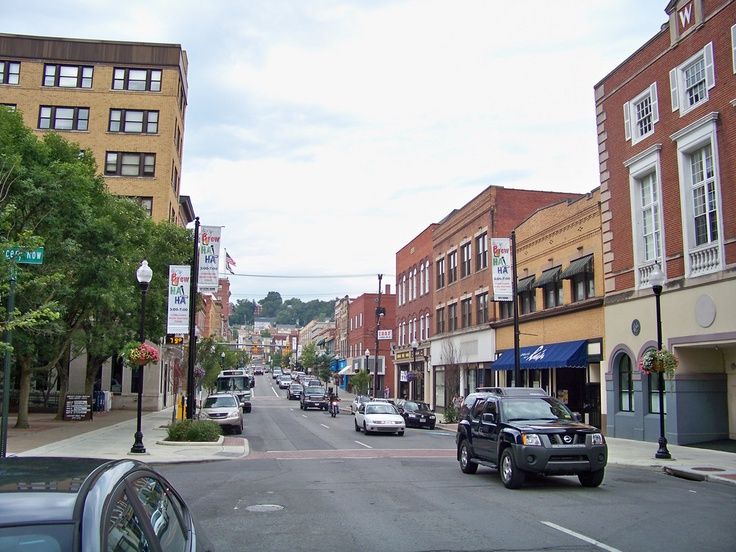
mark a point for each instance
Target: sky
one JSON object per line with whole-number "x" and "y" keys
{"x": 324, "y": 135}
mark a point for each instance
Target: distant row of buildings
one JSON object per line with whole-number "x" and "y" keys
{"x": 666, "y": 133}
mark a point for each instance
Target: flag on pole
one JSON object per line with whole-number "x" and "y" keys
{"x": 229, "y": 262}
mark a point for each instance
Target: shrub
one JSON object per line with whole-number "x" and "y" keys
{"x": 194, "y": 430}
{"x": 451, "y": 414}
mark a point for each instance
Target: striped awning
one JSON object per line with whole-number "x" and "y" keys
{"x": 525, "y": 284}
{"x": 548, "y": 276}
{"x": 578, "y": 266}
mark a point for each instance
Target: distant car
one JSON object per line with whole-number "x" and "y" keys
{"x": 295, "y": 391}
{"x": 417, "y": 414}
{"x": 258, "y": 371}
{"x": 284, "y": 381}
{"x": 379, "y": 416}
{"x": 357, "y": 401}
{"x": 314, "y": 396}
{"x": 75, "y": 504}
{"x": 276, "y": 373}
{"x": 223, "y": 408}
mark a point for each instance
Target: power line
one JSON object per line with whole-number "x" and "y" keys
{"x": 301, "y": 277}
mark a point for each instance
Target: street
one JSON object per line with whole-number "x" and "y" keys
{"x": 311, "y": 482}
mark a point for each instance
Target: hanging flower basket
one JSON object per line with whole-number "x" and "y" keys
{"x": 140, "y": 354}
{"x": 655, "y": 362}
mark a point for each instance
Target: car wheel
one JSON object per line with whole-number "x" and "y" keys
{"x": 466, "y": 464}
{"x": 365, "y": 428}
{"x": 511, "y": 476}
{"x": 248, "y": 409}
{"x": 357, "y": 427}
{"x": 591, "y": 479}
{"x": 431, "y": 426}
{"x": 401, "y": 433}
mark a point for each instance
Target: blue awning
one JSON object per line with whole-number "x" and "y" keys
{"x": 571, "y": 354}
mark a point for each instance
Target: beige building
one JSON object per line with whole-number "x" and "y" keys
{"x": 124, "y": 101}
{"x": 560, "y": 306}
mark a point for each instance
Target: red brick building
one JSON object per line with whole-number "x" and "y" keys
{"x": 414, "y": 287}
{"x": 667, "y": 135}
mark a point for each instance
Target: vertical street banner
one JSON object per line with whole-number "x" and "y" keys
{"x": 209, "y": 259}
{"x": 501, "y": 269}
{"x": 177, "y": 321}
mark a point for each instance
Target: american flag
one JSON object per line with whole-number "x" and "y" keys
{"x": 229, "y": 262}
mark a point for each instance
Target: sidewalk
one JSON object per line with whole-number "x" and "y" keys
{"x": 111, "y": 435}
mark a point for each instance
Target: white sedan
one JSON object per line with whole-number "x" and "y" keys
{"x": 380, "y": 417}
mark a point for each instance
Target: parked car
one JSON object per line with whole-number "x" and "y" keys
{"x": 520, "y": 430}
{"x": 284, "y": 381}
{"x": 314, "y": 396}
{"x": 76, "y": 504}
{"x": 379, "y": 416}
{"x": 223, "y": 408}
{"x": 295, "y": 391}
{"x": 357, "y": 401}
{"x": 416, "y": 413}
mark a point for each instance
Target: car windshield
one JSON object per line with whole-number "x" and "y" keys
{"x": 547, "y": 408}
{"x": 412, "y": 406}
{"x": 296, "y": 386}
{"x": 315, "y": 390}
{"x": 219, "y": 402}
{"x": 380, "y": 409}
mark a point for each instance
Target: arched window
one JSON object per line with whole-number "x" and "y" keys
{"x": 625, "y": 384}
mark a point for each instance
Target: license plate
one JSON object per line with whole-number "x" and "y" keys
{"x": 422, "y": 419}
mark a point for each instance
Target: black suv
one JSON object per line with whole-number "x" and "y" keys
{"x": 314, "y": 397}
{"x": 522, "y": 429}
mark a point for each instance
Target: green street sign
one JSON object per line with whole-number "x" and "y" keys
{"x": 24, "y": 256}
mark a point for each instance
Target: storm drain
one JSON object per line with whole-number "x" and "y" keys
{"x": 264, "y": 508}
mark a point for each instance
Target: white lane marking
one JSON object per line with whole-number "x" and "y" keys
{"x": 364, "y": 445}
{"x": 581, "y": 537}
{"x": 274, "y": 391}
{"x": 305, "y": 416}
{"x": 325, "y": 426}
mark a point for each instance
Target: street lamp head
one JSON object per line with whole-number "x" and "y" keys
{"x": 222, "y": 355}
{"x": 656, "y": 279}
{"x": 144, "y": 275}
{"x": 414, "y": 345}
{"x": 367, "y": 352}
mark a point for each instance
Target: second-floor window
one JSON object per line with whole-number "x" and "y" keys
{"x": 63, "y": 118}
{"x": 136, "y": 79}
{"x": 440, "y": 273}
{"x": 452, "y": 317}
{"x": 580, "y": 274}
{"x": 452, "y": 267}
{"x": 466, "y": 312}
{"x": 551, "y": 284}
{"x": 690, "y": 82}
{"x": 133, "y": 121}
{"x": 465, "y": 252}
{"x": 440, "y": 318}
{"x": 481, "y": 252}
{"x": 130, "y": 164}
{"x": 481, "y": 308}
{"x": 67, "y": 76}
{"x": 704, "y": 196}
{"x": 649, "y": 217}
{"x": 9, "y": 72}
{"x": 527, "y": 295}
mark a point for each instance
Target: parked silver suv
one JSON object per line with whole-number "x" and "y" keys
{"x": 223, "y": 408}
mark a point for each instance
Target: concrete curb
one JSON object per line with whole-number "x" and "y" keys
{"x": 219, "y": 442}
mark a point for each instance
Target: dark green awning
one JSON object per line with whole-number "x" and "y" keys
{"x": 578, "y": 266}
{"x": 525, "y": 284}
{"x": 548, "y": 276}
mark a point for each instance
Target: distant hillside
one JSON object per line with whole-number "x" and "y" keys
{"x": 291, "y": 311}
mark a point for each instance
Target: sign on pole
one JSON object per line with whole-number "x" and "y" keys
{"x": 501, "y": 269}
{"x": 209, "y": 259}
{"x": 25, "y": 256}
{"x": 178, "y": 312}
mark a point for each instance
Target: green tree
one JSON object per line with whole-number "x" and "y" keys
{"x": 360, "y": 382}
{"x": 308, "y": 357}
{"x": 271, "y": 304}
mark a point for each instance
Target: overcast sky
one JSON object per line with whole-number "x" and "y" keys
{"x": 325, "y": 135}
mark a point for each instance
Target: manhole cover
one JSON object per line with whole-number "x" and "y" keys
{"x": 709, "y": 469}
{"x": 264, "y": 508}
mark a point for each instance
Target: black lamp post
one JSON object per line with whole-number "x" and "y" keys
{"x": 656, "y": 279}
{"x": 413, "y": 384}
{"x": 144, "y": 275}
{"x": 222, "y": 360}
{"x": 367, "y": 354}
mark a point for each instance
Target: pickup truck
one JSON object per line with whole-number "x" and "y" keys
{"x": 520, "y": 430}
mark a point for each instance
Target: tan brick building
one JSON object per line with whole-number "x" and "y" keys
{"x": 560, "y": 307}
{"x": 124, "y": 101}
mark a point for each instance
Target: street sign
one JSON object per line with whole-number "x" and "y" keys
{"x": 25, "y": 256}
{"x": 385, "y": 334}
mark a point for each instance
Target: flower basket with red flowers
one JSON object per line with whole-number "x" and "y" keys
{"x": 654, "y": 362}
{"x": 140, "y": 354}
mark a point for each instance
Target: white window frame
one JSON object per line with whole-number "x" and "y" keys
{"x": 678, "y": 92}
{"x": 631, "y": 120}
{"x": 640, "y": 166}
{"x": 733, "y": 48}
{"x": 709, "y": 257}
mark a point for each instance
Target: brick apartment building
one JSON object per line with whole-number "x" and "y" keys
{"x": 667, "y": 137}
{"x": 463, "y": 346}
{"x": 414, "y": 300}
{"x": 124, "y": 101}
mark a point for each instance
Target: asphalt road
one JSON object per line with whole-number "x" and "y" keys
{"x": 312, "y": 483}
